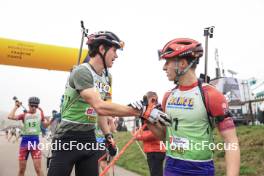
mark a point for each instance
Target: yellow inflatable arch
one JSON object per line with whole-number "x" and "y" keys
{"x": 35, "y": 55}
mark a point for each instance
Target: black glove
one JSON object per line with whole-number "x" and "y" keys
{"x": 110, "y": 144}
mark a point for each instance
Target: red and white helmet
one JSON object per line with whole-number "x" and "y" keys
{"x": 181, "y": 48}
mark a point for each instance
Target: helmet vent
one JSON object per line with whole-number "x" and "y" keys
{"x": 169, "y": 50}
{"x": 184, "y": 43}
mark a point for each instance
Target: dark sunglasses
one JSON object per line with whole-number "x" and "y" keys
{"x": 154, "y": 100}
{"x": 34, "y": 106}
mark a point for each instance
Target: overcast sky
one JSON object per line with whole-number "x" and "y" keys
{"x": 145, "y": 26}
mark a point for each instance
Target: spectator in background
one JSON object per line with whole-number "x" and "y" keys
{"x": 154, "y": 151}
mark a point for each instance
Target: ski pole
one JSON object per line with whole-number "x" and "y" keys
{"x": 20, "y": 103}
{"x": 84, "y": 34}
{"x": 122, "y": 151}
{"x": 113, "y": 170}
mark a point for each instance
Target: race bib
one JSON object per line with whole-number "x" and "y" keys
{"x": 179, "y": 144}
{"x": 32, "y": 126}
{"x": 32, "y": 130}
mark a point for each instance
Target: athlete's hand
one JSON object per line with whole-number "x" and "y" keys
{"x": 17, "y": 104}
{"x": 154, "y": 115}
{"x": 151, "y": 112}
{"x": 110, "y": 144}
{"x": 139, "y": 105}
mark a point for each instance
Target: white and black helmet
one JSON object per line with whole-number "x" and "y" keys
{"x": 33, "y": 101}
{"x": 108, "y": 40}
{"x": 104, "y": 37}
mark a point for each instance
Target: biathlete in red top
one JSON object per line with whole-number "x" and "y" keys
{"x": 32, "y": 120}
{"x": 194, "y": 107}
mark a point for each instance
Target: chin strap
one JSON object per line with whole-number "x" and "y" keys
{"x": 181, "y": 73}
{"x": 104, "y": 62}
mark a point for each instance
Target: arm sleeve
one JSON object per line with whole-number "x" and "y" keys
{"x": 81, "y": 78}
{"x": 20, "y": 116}
{"x": 227, "y": 123}
{"x": 218, "y": 107}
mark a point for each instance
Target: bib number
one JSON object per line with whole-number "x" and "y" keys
{"x": 31, "y": 126}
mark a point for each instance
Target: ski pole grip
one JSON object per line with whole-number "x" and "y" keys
{"x": 82, "y": 25}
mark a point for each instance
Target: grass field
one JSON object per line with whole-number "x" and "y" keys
{"x": 132, "y": 159}
{"x": 251, "y": 144}
{"x": 251, "y": 140}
